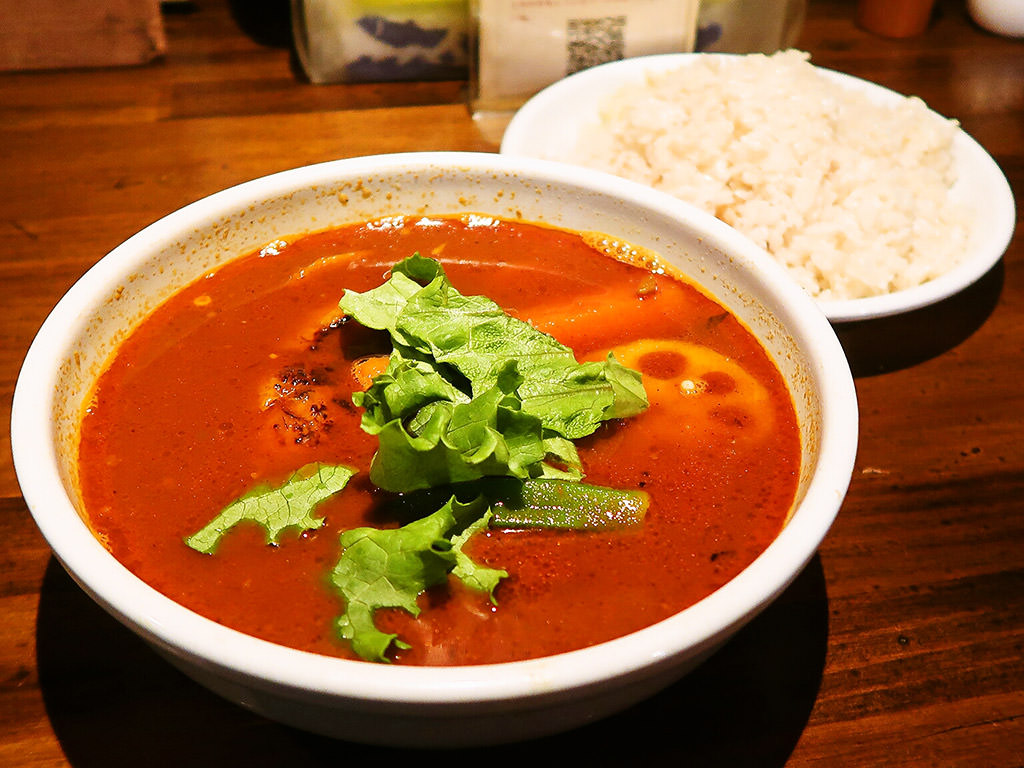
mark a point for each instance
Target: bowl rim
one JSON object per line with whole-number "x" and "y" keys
{"x": 584, "y": 90}
{"x": 198, "y": 640}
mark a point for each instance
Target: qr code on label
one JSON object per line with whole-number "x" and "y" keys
{"x": 594, "y": 41}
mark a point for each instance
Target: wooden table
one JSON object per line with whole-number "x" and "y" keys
{"x": 900, "y": 644}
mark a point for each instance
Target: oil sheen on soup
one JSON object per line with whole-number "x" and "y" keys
{"x": 249, "y": 373}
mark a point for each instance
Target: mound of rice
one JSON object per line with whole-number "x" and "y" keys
{"x": 852, "y": 197}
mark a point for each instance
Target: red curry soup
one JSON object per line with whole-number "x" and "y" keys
{"x": 251, "y": 373}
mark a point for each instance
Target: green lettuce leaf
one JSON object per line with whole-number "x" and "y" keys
{"x": 471, "y": 391}
{"x": 477, "y": 577}
{"x": 391, "y": 568}
{"x": 277, "y": 508}
{"x": 380, "y": 307}
{"x": 473, "y": 335}
{"x": 430, "y": 434}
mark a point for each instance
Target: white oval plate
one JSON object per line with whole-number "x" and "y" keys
{"x": 549, "y": 124}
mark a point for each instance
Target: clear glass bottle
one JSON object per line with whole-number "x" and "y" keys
{"x": 381, "y": 40}
{"x": 749, "y": 26}
{"x": 517, "y": 47}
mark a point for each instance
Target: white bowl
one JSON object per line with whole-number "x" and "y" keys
{"x": 548, "y": 126}
{"x": 405, "y": 705}
{"x": 1004, "y": 17}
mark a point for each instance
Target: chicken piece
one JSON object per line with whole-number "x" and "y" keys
{"x": 298, "y": 399}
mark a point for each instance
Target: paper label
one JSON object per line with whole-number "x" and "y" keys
{"x": 524, "y": 45}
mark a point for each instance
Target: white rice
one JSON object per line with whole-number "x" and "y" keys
{"x": 852, "y": 197}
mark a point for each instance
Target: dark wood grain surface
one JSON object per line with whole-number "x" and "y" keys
{"x": 901, "y": 644}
